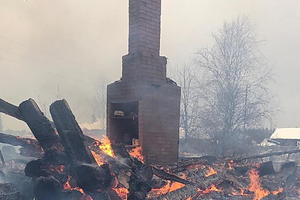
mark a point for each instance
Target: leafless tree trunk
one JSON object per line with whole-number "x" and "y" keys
{"x": 189, "y": 109}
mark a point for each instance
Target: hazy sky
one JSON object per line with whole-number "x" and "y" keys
{"x": 67, "y": 48}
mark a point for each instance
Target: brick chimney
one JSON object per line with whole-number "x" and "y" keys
{"x": 144, "y": 105}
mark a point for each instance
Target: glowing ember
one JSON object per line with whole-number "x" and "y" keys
{"x": 210, "y": 172}
{"x": 169, "y": 187}
{"x": 105, "y": 146}
{"x": 137, "y": 153}
{"x": 255, "y": 186}
{"x": 98, "y": 158}
{"x": 122, "y": 192}
{"x": 298, "y": 192}
{"x": 212, "y": 188}
{"x": 67, "y": 186}
{"x": 276, "y": 192}
{"x": 240, "y": 193}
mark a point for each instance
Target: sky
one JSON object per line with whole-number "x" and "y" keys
{"x": 52, "y": 49}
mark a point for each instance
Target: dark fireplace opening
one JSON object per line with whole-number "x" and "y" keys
{"x": 124, "y": 122}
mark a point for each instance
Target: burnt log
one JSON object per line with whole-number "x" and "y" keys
{"x": 40, "y": 126}
{"x": 70, "y": 133}
{"x": 266, "y": 168}
{"x": 171, "y": 177}
{"x": 93, "y": 178}
{"x": 140, "y": 182}
{"x": 47, "y": 188}
{"x": 10, "y": 109}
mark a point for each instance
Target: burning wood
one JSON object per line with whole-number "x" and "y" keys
{"x": 76, "y": 167}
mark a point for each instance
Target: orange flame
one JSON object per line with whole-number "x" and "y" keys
{"x": 98, "y": 158}
{"x": 255, "y": 186}
{"x": 122, "y": 192}
{"x": 276, "y": 192}
{"x": 67, "y": 186}
{"x": 210, "y": 172}
{"x": 212, "y": 188}
{"x": 169, "y": 187}
{"x": 137, "y": 153}
{"x": 105, "y": 146}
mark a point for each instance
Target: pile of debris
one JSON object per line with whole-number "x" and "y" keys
{"x": 71, "y": 166}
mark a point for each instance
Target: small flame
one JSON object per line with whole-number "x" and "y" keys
{"x": 212, "y": 188}
{"x": 67, "y": 186}
{"x": 122, "y": 192}
{"x": 137, "y": 153}
{"x": 98, "y": 158}
{"x": 276, "y": 192}
{"x": 169, "y": 187}
{"x": 240, "y": 193}
{"x": 105, "y": 146}
{"x": 210, "y": 172}
{"x": 255, "y": 186}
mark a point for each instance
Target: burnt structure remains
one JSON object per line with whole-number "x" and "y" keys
{"x": 144, "y": 105}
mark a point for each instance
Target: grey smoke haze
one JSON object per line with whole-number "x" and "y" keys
{"x": 68, "y": 48}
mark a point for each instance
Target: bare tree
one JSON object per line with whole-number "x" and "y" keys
{"x": 189, "y": 108}
{"x": 235, "y": 95}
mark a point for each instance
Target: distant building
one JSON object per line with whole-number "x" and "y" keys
{"x": 286, "y": 137}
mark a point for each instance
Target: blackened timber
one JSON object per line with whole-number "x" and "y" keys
{"x": 10, "y": 109}
{"x": 40, "y": 126}
{"x": 171, "y": 177}
{"x": 17, "y": 141}
{"x": 30, "y": 147}
{"x": 71, "y": 134}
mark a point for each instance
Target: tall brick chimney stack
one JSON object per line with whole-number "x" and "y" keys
{"x": 144, "y": 26}
{"x": 144, "y": 105}
{"x": 143, "y": 61}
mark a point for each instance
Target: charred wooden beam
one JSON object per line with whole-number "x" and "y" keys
{"x": 171, "y": 177}
{"x": 18, "y": 141}
{"x": 30, "y": 147}
{"x": 10, "y": 109}
{"x": 70, "y": 133}
{"x": 40, "y": 126}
